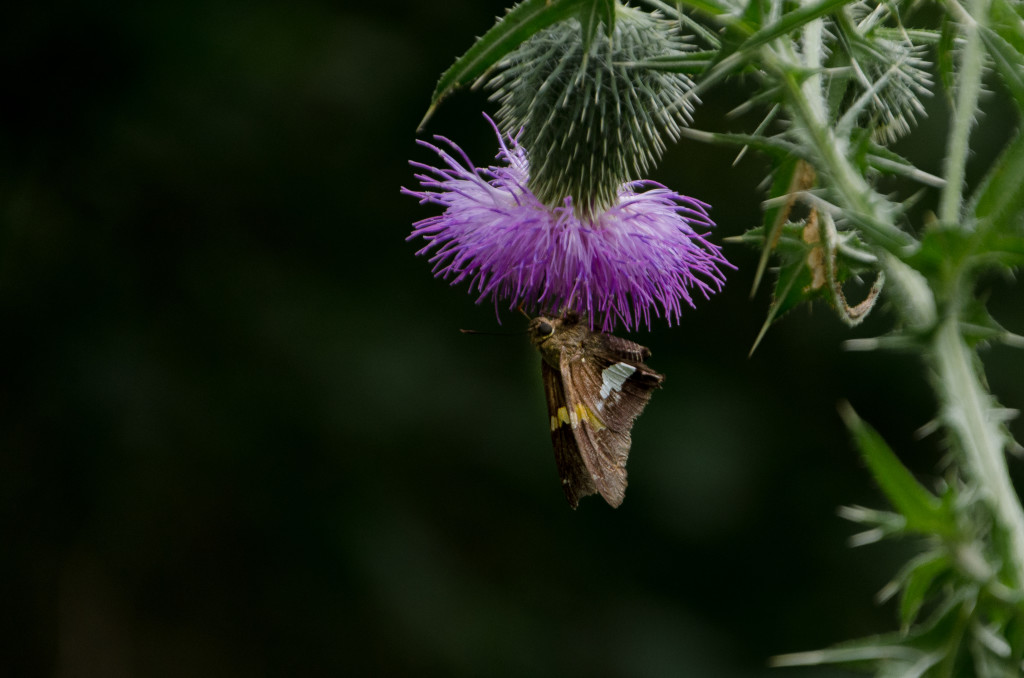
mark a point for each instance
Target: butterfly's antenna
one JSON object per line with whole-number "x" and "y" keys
{"x": 523, "y": 311}
{"x": 497, "y": 334}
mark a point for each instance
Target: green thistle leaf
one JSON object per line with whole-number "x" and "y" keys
{"x": 928, "y": 651}
{"x": 1004, "y": 40}
{"x": 925, "y": 513}
{"x": 592, "y": 16}
{"x": 999, "y": 201}
{"x": 521, "y": 22}
{"x": 1008, "y": 61}
{"x": 790, "y": 22}
{"x": 753, "y": 14}
{"x": 690, "y": 63}
{"x": 710, "y": 8}
{"x": 797, "y": 281}
{"x": 979, "y": 327}
{"x": 918, "y": 580}
{"x": 789, "y": 177}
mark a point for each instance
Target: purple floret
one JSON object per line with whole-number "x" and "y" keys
{"x": 640, "y": 258}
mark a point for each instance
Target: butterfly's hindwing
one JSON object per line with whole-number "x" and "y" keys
{"x": 624, "y": 382}
{"x": 616, "y": 347}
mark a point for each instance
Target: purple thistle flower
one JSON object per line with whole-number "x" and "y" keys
{"x": 639, "y": 257}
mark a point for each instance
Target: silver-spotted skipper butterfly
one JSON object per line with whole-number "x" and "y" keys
{"x": 596, "y": 385}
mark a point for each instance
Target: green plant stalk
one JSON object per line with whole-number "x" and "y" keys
{"x": 972, "y": 62}
{"x": 812, "y": 53}
{"x": 966, "y": 401}
{"x": 968, "y": 415}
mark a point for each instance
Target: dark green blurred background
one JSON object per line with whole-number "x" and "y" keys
{"x": 242, "y": 435}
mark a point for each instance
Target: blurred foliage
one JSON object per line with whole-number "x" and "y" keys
{"x": 241, "y": 434}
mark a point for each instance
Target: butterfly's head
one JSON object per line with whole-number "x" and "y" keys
{"x": 542, "y": 328}
{"x": 550, "y": 333}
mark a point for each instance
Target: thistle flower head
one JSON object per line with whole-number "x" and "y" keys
{"x": 640, "y": 257}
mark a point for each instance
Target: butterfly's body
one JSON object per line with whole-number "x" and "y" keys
{"x": 596, "y": 386}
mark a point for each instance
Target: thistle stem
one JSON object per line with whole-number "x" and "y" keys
{"x": 968, "y": 415}
{"x": 967, "y": 404}
{"x": 972, "y": 61}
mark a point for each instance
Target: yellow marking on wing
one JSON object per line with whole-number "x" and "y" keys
{"x": 579, "y": 413}
{"x": 559, "y": 418}
{"x": 584, "y": 413}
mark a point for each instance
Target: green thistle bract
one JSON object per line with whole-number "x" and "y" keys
{"x": 592, "y": 120}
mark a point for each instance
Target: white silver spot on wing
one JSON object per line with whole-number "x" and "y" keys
{"x": 614, "y": 376}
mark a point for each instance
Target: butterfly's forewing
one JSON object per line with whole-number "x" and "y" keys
{"x": 608, "y": 386}
{"x": 576, "y": 480}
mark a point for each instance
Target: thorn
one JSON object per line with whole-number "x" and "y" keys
{"x": 430, "y": 112}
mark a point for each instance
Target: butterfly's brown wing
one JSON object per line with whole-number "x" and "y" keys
{"x": 606, "y": 386}
{"x": 576, "y": 481}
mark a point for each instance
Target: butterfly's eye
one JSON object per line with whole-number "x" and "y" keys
{"x": 545, "y": 329}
